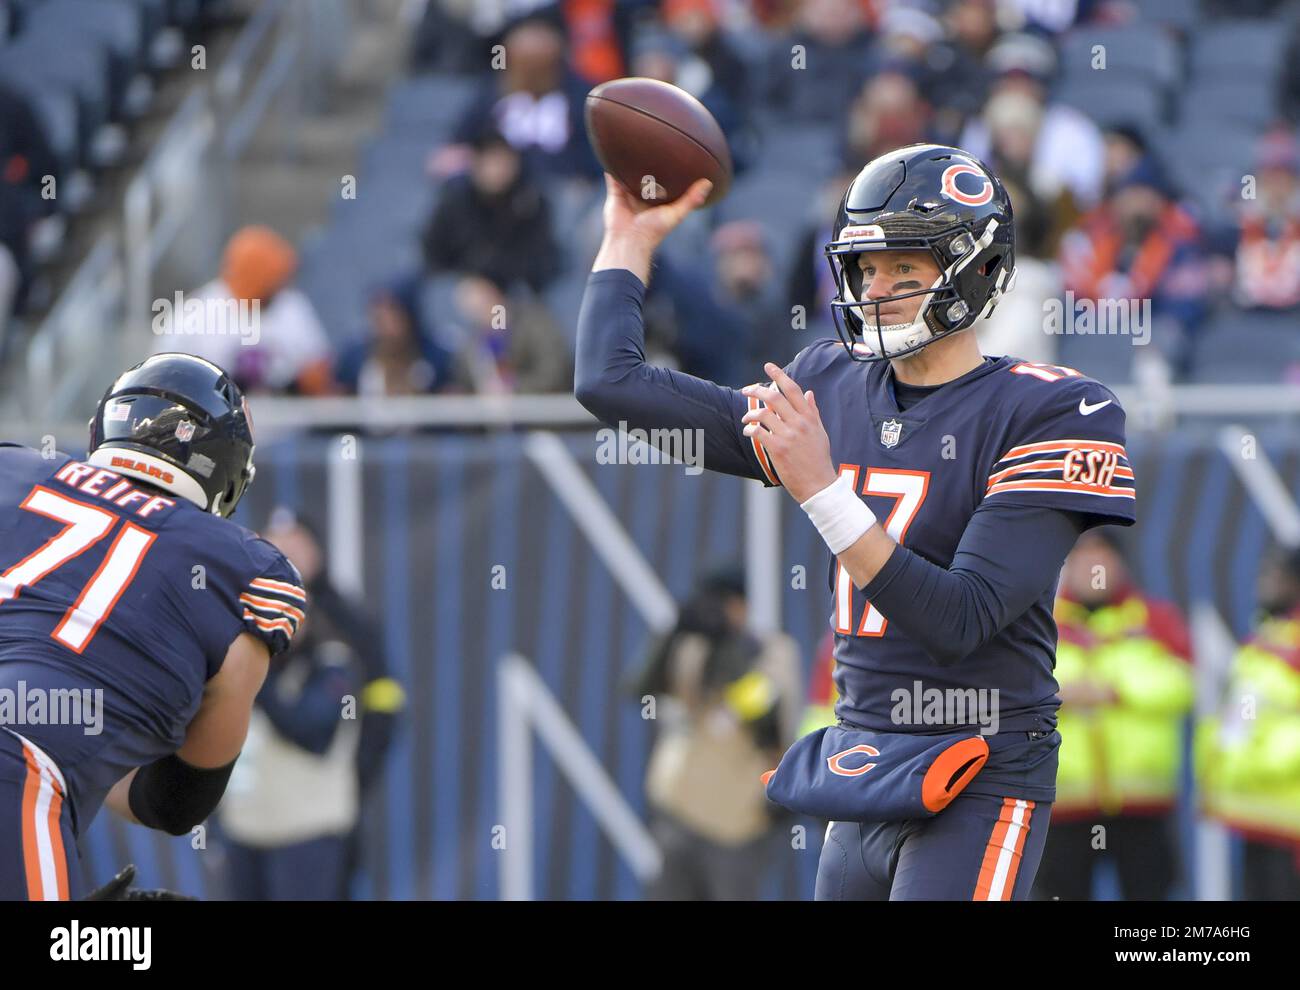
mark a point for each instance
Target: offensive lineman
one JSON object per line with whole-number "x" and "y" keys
{"x": 948, "y": 486}
{"x": 121, "y": 578}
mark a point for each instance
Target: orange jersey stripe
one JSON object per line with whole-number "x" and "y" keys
{"x": 272, "y": 605}
{"x": 759, "y": 452}
{"x": 1120, "y": 472}
{"x": 992, "y": 850}
{"x": 1046, "y": 445}
{"x": 1047, "y": 485}
{"x": 292, "y": 590}
{"x": 284, "y": 625}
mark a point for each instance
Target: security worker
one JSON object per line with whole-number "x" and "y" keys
{"x": 728, "y": 706}
{"x": 1248, "y": 754}
{"x": 1126, "y": 687}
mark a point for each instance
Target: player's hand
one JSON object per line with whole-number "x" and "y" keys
{"x": 120, "y": 889}
{"x": 790, "y": 429}
{"x": 626, "y": 218}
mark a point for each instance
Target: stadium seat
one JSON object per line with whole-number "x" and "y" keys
{"x": 183, "y": 12}
{"x": 395, "y": 152}
{"x": 810, "y": 151}
{"x": 1105, "y": 357}
{"x": 780, "y": 200}
{"x": 564, "y": 299}
{"x": 428, "y": 105}
{"x": 1143, "y": 51}
{"x": 1183, "y": 15}
{"x": 118, "y": 25}
{"x": 153, "y": 17}
{"x": 437, "y": 302}
{"x": 753, "y": 46}
{"x": 1207, "y": 160}
{"x": 328, "y": 275}
{"x": 390, "y": 204}
{"x": 1113, "y": 99}
{"x": 341, "y": 264}
{"x": 55, "y": 107}
{"x": 73, "y": 65}
{"x": 1246, "y": 346}
{"x": 1234, "y": 50}
{"x": 1249, "y": 100}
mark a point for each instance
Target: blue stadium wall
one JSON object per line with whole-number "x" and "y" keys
{"x": 442, "y": 509}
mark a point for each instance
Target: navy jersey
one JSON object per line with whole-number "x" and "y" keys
{"x": 1031, "y": 451}
{"x": 117, "y": 605}
{"x": 1008, "y": 432}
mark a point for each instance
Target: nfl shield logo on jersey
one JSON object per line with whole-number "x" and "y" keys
{"x": 890, "y": 431}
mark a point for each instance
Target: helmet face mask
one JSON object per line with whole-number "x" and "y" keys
{"x": 179, "y": 423}
{"x": 910, "y": 200}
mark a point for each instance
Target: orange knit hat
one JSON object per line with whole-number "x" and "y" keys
{"x": 257, "y": 263}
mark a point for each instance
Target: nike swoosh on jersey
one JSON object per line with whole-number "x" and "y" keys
{"x": 1087, "y": 410}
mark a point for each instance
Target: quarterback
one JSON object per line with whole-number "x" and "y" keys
{"x": 122, "y": 580}
{"x": 949, "y": 488}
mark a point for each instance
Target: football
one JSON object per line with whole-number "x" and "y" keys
{"x": 656, "y": 139}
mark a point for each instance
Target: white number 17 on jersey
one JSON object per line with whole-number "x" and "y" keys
{"x": 909, "y": 489}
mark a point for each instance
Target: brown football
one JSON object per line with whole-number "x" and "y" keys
{"x": 656, "y": 139}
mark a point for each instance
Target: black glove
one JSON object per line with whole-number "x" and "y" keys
{"x": 119, "y": 889}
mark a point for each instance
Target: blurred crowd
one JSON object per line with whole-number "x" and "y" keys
{"x": 74, "y": 76}
{"x": 1103, "y": 212}
{"x": 1144, "y": 163}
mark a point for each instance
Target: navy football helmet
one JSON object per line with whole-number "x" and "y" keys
{"x": 181, "y": 424}
{"x": 922, "y": 197}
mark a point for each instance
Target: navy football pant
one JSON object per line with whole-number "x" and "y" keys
{"x": 38, "y": 852}
{"x": 978, "y": 848}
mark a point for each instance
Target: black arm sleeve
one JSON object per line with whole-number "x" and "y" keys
{"x": 171, "y": 795}
{"x": 615, "y": 384}
{"x": 1008, "y": 556}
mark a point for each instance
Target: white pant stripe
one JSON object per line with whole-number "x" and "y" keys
{"x": 44, "y": 842}
{"x": 51, "y": 778}
{"x": 1006, "y": 854}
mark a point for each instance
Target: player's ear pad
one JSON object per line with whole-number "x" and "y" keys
{"x": 854, "y": 775}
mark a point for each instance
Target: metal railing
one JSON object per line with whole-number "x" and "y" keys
{"x": 81, "y": 315}
{"x": 69, "y": 345}
{"x": 162, "y": 196}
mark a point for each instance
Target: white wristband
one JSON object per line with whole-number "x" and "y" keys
{"x": 839, "y": 515}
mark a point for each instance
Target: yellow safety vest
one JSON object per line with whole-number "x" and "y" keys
{"x": 1124, "y": 755}
{"x": 1248, "y": 754}
{"x": 817, "y": 717}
